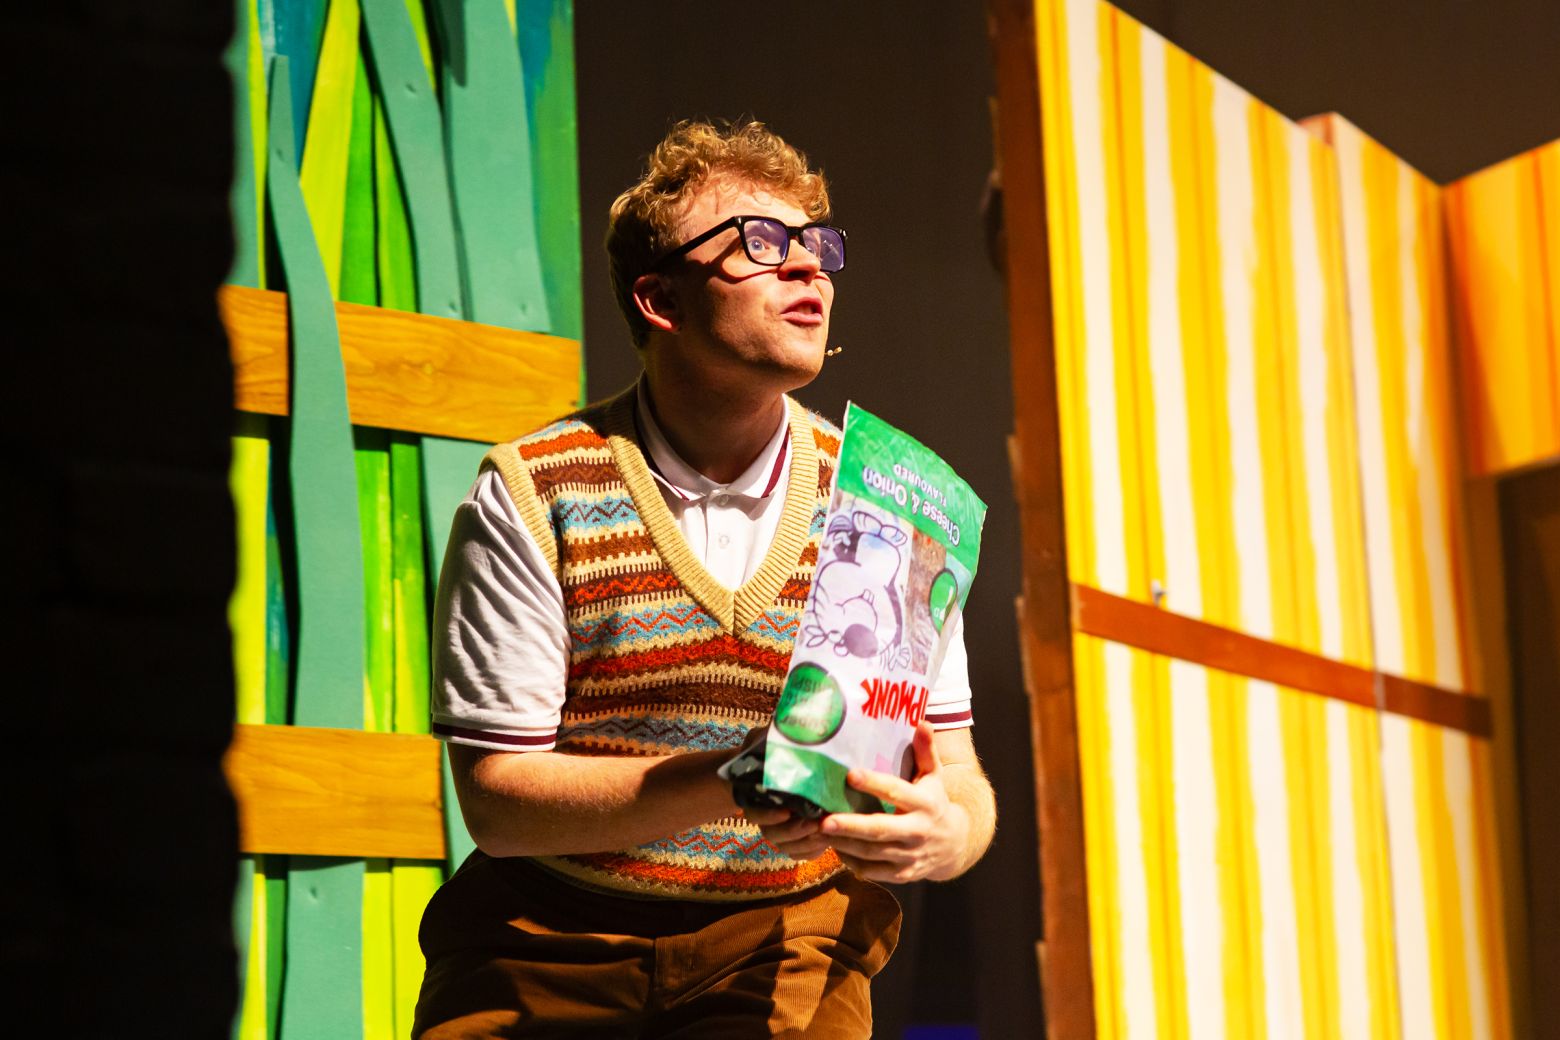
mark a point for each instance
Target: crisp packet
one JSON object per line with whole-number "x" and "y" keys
{"x": 895, "y": 563}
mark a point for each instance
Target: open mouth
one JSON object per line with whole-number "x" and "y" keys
{"x": 806, "y": 311}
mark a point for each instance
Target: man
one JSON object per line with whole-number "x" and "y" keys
{"x": 616, "y": 612}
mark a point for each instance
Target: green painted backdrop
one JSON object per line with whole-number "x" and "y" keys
{"x": 416, "y": 156}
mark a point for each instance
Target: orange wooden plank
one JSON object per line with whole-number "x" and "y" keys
{"x": 1466, "y": 712}
{"x": 336, "y": 792}
{"x": 1146, "y": 627}
{"x": 407, "y": 371}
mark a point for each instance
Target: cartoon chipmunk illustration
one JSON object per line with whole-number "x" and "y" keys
{"x": 856, "y": 604}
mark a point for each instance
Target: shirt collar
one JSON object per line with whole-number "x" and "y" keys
{"x": 755, "y": 483}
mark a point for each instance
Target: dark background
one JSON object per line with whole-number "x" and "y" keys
{"x": 890, "y": 97}
{"x": 116, "y": 534}
{"x": 116, "y": 412}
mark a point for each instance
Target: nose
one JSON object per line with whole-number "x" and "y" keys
{"x": 800, "y": 263}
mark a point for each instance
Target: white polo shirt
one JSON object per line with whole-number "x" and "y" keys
{"x": 501, "y": 641}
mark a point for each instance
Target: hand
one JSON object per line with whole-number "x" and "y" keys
{"x": 796, "y": 836}
{"x": 924, "y": 838}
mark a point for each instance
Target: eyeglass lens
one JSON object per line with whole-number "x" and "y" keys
{"x": 767, "y": 242}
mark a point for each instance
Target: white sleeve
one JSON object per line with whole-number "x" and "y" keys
{"x": 500, "y": 637}
{"x": 949, "y": 704}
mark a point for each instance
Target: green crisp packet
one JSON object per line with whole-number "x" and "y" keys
{"x": 895, "y": 563}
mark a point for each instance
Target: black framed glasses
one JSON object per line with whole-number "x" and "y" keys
{"x": 767, "y": 241}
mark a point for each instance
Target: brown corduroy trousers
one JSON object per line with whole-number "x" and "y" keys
{"x": 515, "y": 951}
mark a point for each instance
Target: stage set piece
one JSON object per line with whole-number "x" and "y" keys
{"x": 406, "y": 293}
{"x": 1265, "y": 376}
{"x": 1259, "y": 373}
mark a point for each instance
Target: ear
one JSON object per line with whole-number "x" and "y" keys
{"x": 657, "y": 303}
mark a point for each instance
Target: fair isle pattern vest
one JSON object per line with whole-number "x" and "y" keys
{"x": 662, "y": 657}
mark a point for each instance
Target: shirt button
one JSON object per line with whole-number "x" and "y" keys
{"x": 722, "y": 500}
{"x": 723, "y": 541}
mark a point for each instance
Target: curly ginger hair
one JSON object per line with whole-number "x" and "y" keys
{"x": 642, "y": 223}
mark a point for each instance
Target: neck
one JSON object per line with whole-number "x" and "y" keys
{"x": 718, "y": 434}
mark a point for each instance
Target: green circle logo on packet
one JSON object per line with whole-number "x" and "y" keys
{"x": 942, "y": 594}
{"x": 812, "y": 708}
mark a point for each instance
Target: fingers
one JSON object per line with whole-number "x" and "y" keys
{"x": 807, "y": 848}
{"x": 926, "y": 759}
{"x": 789, "y": 830}
{"x": 898, "y": 847}
{"x": 904, "y": 794}
{"x": 901, "y": 794}
{"x": 796, "y": 837}
{"x": 766, "y": 817}
{"x": 874, "y": 852}
{"x": 888, "y": 873}
{"x": 869, "y": 840}
{"x": 869, "y": 827}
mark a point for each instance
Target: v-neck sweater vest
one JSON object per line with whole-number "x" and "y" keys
{"x": 662, "y": 657}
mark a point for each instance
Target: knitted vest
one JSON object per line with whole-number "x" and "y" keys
{"x": 663, "y": 658}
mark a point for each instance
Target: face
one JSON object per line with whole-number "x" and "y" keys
{"x": 744, "y": 320}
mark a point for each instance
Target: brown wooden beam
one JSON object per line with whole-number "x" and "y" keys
{"x": 1146, "y": 627}
{"x": 408, "y": 371}
{"x": 1045, "y": 633}
{"x": 336, "y": 792}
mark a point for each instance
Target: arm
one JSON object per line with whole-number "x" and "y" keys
{"x": 500, "y": 665}
{"x": 945, "y": 822}
{"x": 541, "y": 803}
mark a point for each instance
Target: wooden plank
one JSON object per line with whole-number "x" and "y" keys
{"x": 407, "y": 371}
{"x": 1453, "y": 710}
{"x": 1164, "y": 632}
{"x": 1045, "y": 636}
{"x": 336, "y": 792}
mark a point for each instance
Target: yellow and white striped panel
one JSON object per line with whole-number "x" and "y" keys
{"x": 1444, "y": 855}
{"x": 1125, "y": 743}
{"x": 1503, "y": 227}
{"x": 1337, "y": 841}
{"x": 1251, "y": 395}
{"x": 1237, "y": 848}
{"x": 1262, "y": 998}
